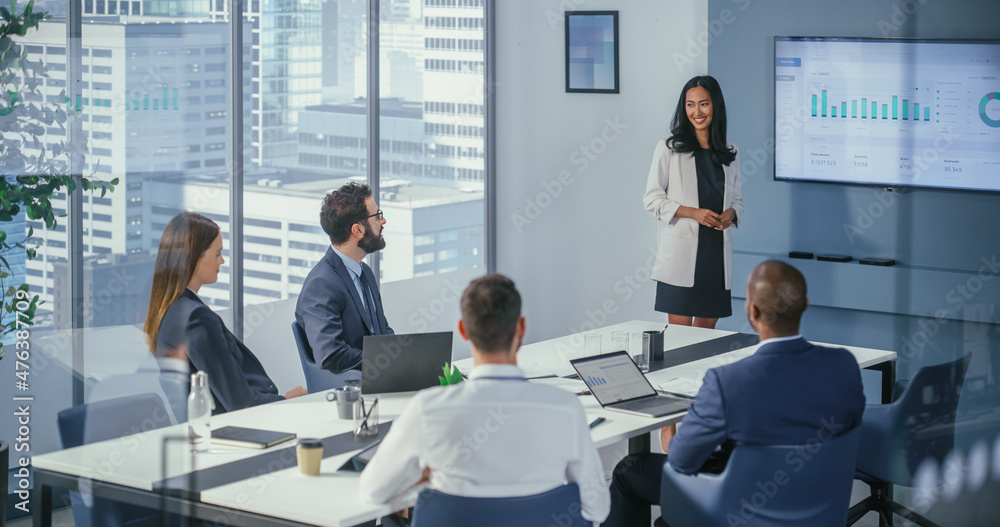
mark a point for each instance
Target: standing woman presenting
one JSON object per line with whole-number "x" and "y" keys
{"x": 694, "y": 192}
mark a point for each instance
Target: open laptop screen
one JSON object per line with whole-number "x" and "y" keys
{"x": 613, "y": 377}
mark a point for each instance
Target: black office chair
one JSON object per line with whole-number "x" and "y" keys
{"x": 317, "y": 378}
{"x": 897, "y": 437}
{"x": 4, "y": 466}
{"x": 100, "y": 421}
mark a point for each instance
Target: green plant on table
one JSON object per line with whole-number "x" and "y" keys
{"x": 451, "y": 375}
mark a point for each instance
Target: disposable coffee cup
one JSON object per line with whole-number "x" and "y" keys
{"x": 309, "y": 453}
{"x": 347, "y": 398}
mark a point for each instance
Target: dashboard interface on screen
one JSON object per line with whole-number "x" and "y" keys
{"x": 922, "y": 113}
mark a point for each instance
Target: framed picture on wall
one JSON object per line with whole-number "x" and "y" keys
{"x": 592, "y": 51}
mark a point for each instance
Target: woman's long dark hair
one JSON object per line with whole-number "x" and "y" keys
{"x": 683, "y": 138}
{"x": 187, "y": 236}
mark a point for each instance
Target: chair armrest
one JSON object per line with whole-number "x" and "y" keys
{"x": 689, "y": 499}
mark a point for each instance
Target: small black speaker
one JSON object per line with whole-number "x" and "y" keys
{"x": 881, "y": 262}
{"x": 834, "y": 258}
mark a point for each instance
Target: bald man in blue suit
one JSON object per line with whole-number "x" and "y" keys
{"x": 788, "y": 392}
{"x": 340, "y": 302}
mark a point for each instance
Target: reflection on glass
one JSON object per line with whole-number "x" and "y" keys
{"x": 431, "y": 66}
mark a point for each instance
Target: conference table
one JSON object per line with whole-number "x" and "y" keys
{"x": 249, "y": 487}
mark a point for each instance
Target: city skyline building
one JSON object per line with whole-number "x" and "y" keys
{"x": 154, "y": 104}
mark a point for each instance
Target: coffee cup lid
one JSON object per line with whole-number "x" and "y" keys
{"x": 308, "y": 442}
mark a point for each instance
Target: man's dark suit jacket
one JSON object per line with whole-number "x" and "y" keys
{"x": 235, "y": 376}
{"x": 330, "y": 311}
{"x": 786, "y": 393}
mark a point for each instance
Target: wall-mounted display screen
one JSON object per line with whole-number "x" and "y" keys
{"x": 888, "y": 112}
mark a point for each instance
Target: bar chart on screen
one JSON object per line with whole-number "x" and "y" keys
{"x": 885, "y": 112}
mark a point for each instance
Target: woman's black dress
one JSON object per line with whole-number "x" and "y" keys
{"x": 708, "y": 298}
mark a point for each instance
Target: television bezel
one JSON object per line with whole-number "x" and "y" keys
{"x": 886, "y": 186}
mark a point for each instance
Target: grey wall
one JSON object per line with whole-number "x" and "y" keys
{"x": 941, "y": 301}
{"x": 575, "y": 247}
{"x": 940, "y": 238}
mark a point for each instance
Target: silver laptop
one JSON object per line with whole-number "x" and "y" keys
{"x": 619, "y": 385}
{"x": 403, "y": 363}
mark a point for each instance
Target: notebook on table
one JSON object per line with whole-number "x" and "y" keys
{"x": 619, "y": 385}
{"x": 249, "y": 437}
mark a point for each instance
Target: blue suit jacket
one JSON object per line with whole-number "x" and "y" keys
{"x": 235, "y": 376}
{"x": 786, "y": 393}
{"x": 330, "y": 311}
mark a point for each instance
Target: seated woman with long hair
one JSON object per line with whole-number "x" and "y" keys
{"x": 189, "y": 257}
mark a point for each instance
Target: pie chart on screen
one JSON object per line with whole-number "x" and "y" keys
{"x": 990, "y": 100}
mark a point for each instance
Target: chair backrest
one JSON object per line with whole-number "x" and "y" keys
{"x": 918, "y": 425}
{"x": 111, "y": 419}
{"x": 4, "y": 465}
{"x": 557, "y": 507}
{"x": 318, "y": 378}
{"x": 768, "y": 486}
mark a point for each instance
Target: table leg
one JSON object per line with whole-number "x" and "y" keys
{"x": 641, "y": 445}
{"x": 41, "y": 496}
{"x": 888, "y": 371}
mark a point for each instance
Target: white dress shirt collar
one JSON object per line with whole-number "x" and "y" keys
{"x": 352, "y": 265}
{"x": 496, "y": 370}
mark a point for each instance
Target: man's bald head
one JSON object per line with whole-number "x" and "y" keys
{"x": 776, "y": 297}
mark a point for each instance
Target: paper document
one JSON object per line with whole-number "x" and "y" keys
{"x": 682, "y": 386}
{"x": 536, "y": 372}
{"x": 570, "y": 385}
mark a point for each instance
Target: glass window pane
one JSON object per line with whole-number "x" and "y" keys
{"x": 306, "y": 135}
{"x": 431, "y": 136}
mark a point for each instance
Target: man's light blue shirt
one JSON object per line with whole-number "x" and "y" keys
{"x": 355, "y": 268}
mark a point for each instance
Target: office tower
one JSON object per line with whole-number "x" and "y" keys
{"x": 153, "y": 102}
{"x": 283, "y": 239}
{"x": 454, "y": 90}
{"x": 285, "y": 70}
{"x": 116, "y": 289}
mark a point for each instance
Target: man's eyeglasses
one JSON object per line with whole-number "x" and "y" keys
{"x": 377, "y": 215}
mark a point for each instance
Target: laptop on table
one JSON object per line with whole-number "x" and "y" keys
{"x": 403, "y": 363}
{"x": 619, "y": 385}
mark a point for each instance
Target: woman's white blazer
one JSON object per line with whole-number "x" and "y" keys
{"x": 673, "y": 182}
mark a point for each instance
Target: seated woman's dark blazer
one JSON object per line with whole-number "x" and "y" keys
{"x": 235, "y": 376}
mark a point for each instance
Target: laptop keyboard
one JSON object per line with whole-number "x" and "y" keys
{"x": 642, "y": 404}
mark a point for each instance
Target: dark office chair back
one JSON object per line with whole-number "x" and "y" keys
{"x": 767, "y": 486}
{"x": 4, "y": 466}
{"x": 100, "y": 421}
{"x": 559, "y": 506}
{"x": 318, "y": 378}
{"x": 919, "y": 425}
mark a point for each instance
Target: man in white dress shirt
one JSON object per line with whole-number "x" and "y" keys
{"x": 494, "y": 435}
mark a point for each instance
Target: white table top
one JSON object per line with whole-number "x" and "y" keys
{"x": 331, "y": 499}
